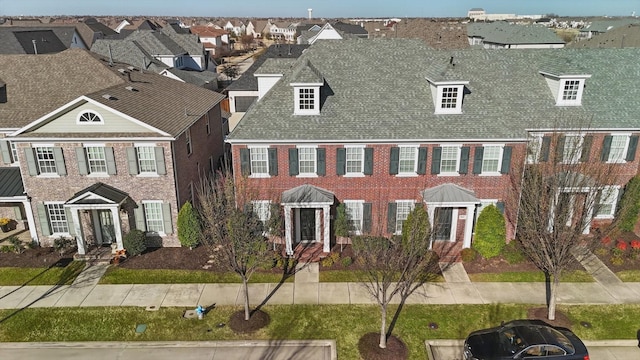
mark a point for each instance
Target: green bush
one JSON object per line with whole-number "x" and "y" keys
{"x": 491, "y": 234}
{"x": 6, "y": 248}
{"x": 468, "y": 255}
{"x": 17, "y": 244}
{"x": 601, "y": 252}
{"x": 341, "y": 223}
{"x": 188, "y": 226}
{"x": 346, "y": 261}
{"x": 513, "y": 253}
{"x": 135, "y": 242}
{"x": 62, "y": 244}
{"x": 330, "y": 260}
{"x": 627, "y": 212}
{"x": 617, "y": 260}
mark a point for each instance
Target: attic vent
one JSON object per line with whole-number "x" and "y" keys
{"x": 131, "y": 68}
{"x": 123, "y": 71}
{"x": 131, "y": 88}
{"x": 109, "y": 97}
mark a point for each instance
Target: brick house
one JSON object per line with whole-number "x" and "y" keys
{"x": 104, "y": 147}
{"x": 380, "y": 125}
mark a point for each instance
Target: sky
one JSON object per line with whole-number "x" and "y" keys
{"x": 321, "y": 8}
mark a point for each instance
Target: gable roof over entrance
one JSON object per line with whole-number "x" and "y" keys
{"x": 449, "y": 193}
{"x": 307, "y": 194}
{"x": 99, "y": 193}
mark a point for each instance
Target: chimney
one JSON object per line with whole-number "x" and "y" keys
{"x": 3, "y": 92}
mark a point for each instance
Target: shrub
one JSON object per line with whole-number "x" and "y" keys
{"x": 629, "y": 205}
{"x": 601, "y": 252}
{"x": 617, "y": 260}
{"x": 490, "y": 236}
{"x": 512, "y": 252}
{"x": 341, "y": 223}
{"x": 17, "y": 244}
{"x": 6, "y": 248}
{"x": 188, "y": 226}
{"x": 62, "y": 244}
{"x": 468, "y": 255}
{"x": 605, "y": 241}
{"x": 346, "y": 261}
{"x": 330, "y": 260}
{"x": 135, "y": 242}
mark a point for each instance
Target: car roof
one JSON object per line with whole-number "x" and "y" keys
{"x": 538, "y": 334}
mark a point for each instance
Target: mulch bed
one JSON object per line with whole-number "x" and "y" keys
{"x": 630, "y": 257}
{"x": 36, "y": 258}
{"x": 369, "y": 349}
{"x": 540, "y": 313}
{"x": 257, "y": 320}
{"x": 498, "y": 265}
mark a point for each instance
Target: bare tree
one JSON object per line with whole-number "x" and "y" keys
{"x": 557, "y": 192}
{"x": 397, "y": 266}
{"x": 230, "y": 226}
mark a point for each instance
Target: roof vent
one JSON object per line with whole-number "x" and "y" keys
{"x": 131, "y": 88}
{"x": 123, "y": 71}
{"x": 109, "y": 97}
{"x": 131, "y": 68}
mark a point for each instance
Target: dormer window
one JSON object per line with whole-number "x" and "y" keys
{"x": 89, "y": 117}
{"x": 306, "y": 84}
{"x": 566, "y": 88}
{"x": 306, "y": 100}
{"x": 450, "y": 100}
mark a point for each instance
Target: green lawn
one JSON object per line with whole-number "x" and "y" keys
{"x": 353, "y": 276}
{"x": 119, "y": 275}
{"x": 345, "y": 323}
{"x": 529, "y": 276}
{"x": 629, "y": 275}
{"x": 12, "y": 276}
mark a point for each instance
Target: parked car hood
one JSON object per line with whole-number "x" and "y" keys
{"x": 482, "y": 344}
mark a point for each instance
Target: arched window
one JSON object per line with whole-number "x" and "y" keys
{"x": 89, "y": 117}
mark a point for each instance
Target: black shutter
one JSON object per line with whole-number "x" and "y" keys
{"x": 560, "y": 149}
{"x": 422, "y": 160}
{"x": 544, "y": 150}
{"x": 394, "y": 159}
{"x": 293, "y": 162}
{"x": 500, "y": 206}
{"x": 435, "y": 160}
{"x": 366, "y": 218}
{"x": 391, "y": 217}
{"x": 368, "y": 161}
{"x": 506, "y": 160}
{"x": 477, "y": 159}
{"x": 341, "y": 161}
{"x": 273, "y": 161}
{"x": 245, "y": 161}
{"x": 631, "y": 151}
{"x": 464, "y": 160}
{"x": 606, "y": 148}
{"x": 586, "y": 148}
{"x": 321, "y": 157}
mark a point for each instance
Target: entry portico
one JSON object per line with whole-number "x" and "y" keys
{"x": 307, "y": 216}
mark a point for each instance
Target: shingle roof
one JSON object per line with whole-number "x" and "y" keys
{"x": 624, "y": 36}
{"x": 128, "y": 52}
{"x": 448, "y": 193}
{"x": 103, "y": 190}
{"x": 349, "y": 28}
{"x": 504, "y": 33}
{"x": 10, "y": 182}
{"x": 376, "y": 90}
{"x": 307, "y": 194}
{"x": 606, "y": 25}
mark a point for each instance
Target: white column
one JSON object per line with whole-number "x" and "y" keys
{"x": 28, "y": 212}
{"x": 318, "y": 237}
{"x": 117, "y": 228}
{"x": 468, "y": 226}
{"x": 78, "y": 229}
{"x": 326, "y": 246}
{"x": 287, "y": 229}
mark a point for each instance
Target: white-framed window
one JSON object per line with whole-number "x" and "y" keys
{"x": 403, "y": 208}
{"x": 449, "y": 99}
{"x": 307, "y": 161}
{"x": 449, "y": 160}
{"x": 96, "y": 160}
{"x": 491, "y": 159}
{"x": 57, "y": 218}
{"x": 572, "y": 150}
{"x": 14, "y": 151}
{"x": 146, "y": 159}
{"x": 262, "y": 209}
{"x": 354, "y": 160}
{"x": 607, "y": 202}
{"x": 354, "y": 211}
{"x": 570, "y": 93}
{"x": 45, "y": 160}
{"x": 259, "y": 161}
{"x": 307, "y": 100}
{"x": 534, "y": 146}
{"x": 89, "y": 117}
{"x": 408, "y": 160}
{"x": 153, "y": 216}
{"x": 188, "y": 141}
{"x": 618, "y": 149}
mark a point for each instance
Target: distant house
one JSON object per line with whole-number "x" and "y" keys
{"x": 620, "y": 37}
{"x": 102, "y": 148}
{"x": 310, "y": 33}
{"x": 601, "y": 27}
{"x": 502, "y": 35}
{"x": 215, "y": 41}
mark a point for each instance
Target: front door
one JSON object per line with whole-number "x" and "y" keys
{"x": 307, "y": 225}
{"x": 443, "y": 218}
{"x": 107, "y": 229}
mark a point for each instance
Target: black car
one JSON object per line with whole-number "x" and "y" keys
{"x": 524, "y": 339}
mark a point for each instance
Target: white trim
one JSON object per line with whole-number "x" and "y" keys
{"x": 414, "y": 172}
{"x": 314, "y": 173}
{"x": 80, "y": 114}
{"x": 456, "y": 172}
{"x": 361, "y": 204}
{"x": 623, "y": 159}
{"x": 614, "y": 204}
{"x": 144, "y": 211}
{"x": 143, "y": 144}
{"x": 316, "y": 100}
{"x": 362, "y": 154}
{"x": 500, "y": 156}
{"x": 80, "y": 139}
{"x": 373, "y": 141}
{"x": 459, "y": 96}
{"x": 413, "y": 205}
{"x": 259, "y": 175}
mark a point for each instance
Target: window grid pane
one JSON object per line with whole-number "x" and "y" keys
{"x": 96, "y": 160}
{"x": 306, "y": 100}
{"x": 307, "y": 160}
{"x": 46, "y": 160}
{"x": 449, "y": 159}
{"x": 259, "y": 161}
{"x": 354, "y": 160}
{"x": 403, "y": 208}
{"x": 607, "y": 201}
{"x": 146, "y": 159}
{"x": 57, "y": 218}
{"x": 572, "y": 149}
{"x": 14, "y": 152}
{"x": 490, "y": 159}
{"x": 153, "y": 216}
{"x": 354, "y": 215}
{"x": 407, "y": 160}
{"x": 449, "y": 98}
{"x": 570, "y": 91}
{"x": 262, "y": 209}
{"x": 618, "y": 143}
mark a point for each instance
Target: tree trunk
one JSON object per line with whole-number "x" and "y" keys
{"x": 383, "y": 327}
{"x": 552, "y": 298}
{"x": 245, "y": 284}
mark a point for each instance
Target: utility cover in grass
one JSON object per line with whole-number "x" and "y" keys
{"x": 141, "y": 328}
